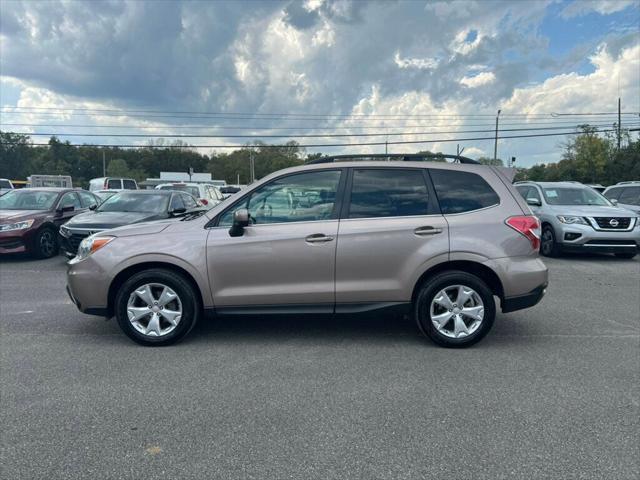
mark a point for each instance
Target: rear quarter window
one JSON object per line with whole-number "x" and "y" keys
{"x": 129, "y": 185}
{"x": 460, "y": 192}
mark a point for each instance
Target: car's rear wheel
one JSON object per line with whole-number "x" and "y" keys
{"x": 157, "y": 307}
{"x": 548, "y": 245}
{"x": 627, "y": 255}
{"x": 455, "y": 309}
{"x": 45, "y": 244}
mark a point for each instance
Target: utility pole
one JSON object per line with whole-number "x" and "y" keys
{"x": 104, "y": 165}
{"x": 619, "y": 124}
{"x": 495, "y": 145}
{"x": 252, "y": 169}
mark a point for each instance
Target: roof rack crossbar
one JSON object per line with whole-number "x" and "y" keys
{"x": 407, "y": 157}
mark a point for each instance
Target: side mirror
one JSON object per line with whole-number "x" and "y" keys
{"x": 614, "y": 201}
{"x": 240, "y": 221}
{"x": 534, "y": 202}
{"x": 93, "y": 207}
{"x": 178, "y": 211}
{"x": 61, "y": 210}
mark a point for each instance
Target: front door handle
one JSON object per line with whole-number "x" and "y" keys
{"x": 428, "y": 230}
{"x": 318, "y": 238}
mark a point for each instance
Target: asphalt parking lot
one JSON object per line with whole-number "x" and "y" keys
{"x": 552, "y": 392}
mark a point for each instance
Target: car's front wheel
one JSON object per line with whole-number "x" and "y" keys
{"x": 45, "y": 244}
{"x": 157, "y": 307}
{"x": 548, "y": 245}
{"x": 455, "y": 309}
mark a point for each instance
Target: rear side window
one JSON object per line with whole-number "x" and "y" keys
{"x": 630, "y": 196}
{"x": 613, "y": 194}
{"x": 129, "y": 184}
{"x": 114, "y": 183}
{"x": 388, "y": 193}
{"x": 460, "y": 192}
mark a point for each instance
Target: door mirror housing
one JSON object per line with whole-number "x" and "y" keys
{"x": 534, "y": 202}
{"x": 93, "y": 207}
{"x": 240, "y": 221}
{"x": 178, "y": 211}
{"x": 61, "y": 210}
{"x": 614, "y": 201}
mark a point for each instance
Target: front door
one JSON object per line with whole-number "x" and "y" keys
{"x": 286, "y": 257}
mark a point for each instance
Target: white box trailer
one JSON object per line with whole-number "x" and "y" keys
{"x": 60, "y": 181}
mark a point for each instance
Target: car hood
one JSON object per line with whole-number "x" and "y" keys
{"x": 107, "y": 220}
{"x": 18, "y": 215}
{"x": 591, "y": 211}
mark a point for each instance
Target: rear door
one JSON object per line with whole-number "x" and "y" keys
{"x": 389, "y": 228}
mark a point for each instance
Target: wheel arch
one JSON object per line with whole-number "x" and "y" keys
{"x": 475, "y": 268}
{"x": 126, "y": 273}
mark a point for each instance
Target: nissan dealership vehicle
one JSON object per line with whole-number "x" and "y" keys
{"x": 30, "y": 217}
{"x": 436, "y": 240}
{"x": 125, "y": 208}
{"x": 576, "y": 218}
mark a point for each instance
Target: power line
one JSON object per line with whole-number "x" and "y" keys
{"x": 309, "y": 135}
{"x": 238, "y": 127}
{"x": 320, "y": 145}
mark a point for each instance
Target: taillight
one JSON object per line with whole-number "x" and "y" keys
{"x": 529, "y": 226}
{"x": 204, "y": 201}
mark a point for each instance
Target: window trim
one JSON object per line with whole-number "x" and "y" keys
{"x": 337, "y": 206}
{"x": 433, "y": 207}
{"x": 476, "y": 209}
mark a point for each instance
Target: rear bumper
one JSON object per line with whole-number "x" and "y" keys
{"x": 511, "y": 304}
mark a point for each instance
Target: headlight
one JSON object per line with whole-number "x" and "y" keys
{"x": 64, "y": 231}
{"x": 17, "y": 226}
{"x": 90, "y": 245}
{"x": 572, "y": 220}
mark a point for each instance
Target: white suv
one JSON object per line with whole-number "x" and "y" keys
{"x": 207, "y": 195}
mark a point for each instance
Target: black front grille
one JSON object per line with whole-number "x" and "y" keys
{"x": 74, "y": 241}
{"x": 10, "y": 243}
{"x": 613, "y": 223}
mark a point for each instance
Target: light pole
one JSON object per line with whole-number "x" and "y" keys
{"x": 495, "y": 145}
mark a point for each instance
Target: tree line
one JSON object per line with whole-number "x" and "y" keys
{"x": 587, "y": 158}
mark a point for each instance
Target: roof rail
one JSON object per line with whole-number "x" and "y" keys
{"x": 406, "y": 157}
{"x": 628, "y": 182}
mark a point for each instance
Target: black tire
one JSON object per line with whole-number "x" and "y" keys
{"x": 431, "y": 288}
{"x": 45, "y": 243}
{"x": 625, "y": 255}
{"x": 549, "y": 247}
{"x": 191, "y": 308}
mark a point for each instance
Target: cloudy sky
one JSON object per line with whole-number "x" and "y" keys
{"x": 428, "y": 70}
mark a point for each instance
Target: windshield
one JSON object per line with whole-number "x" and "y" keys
{"x": 182, "y": 188}
{"x": 574, "y": 196}
{"x": 135, "y": 202}
{"x": 27, "y": 200}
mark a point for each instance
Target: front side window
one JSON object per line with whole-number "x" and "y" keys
{"x": 630, "y": 196}
{"x": 176, "y": 202}
{"x": 300, "y": 197}
{"x": 573, "y": 196}
{"x": 460, "y": 192}
{"x": 188, "y": 200}
{"x": 70, "y": 200}
{"x": 389, "y": 192}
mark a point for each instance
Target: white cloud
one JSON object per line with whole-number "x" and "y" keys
{"x": 478, "y": 80}
{"x": 419, "y": 63}
{"x": 603, "y": 7}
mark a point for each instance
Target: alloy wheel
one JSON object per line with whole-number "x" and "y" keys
{"x": 457, "y": 311}
{"x": 547, "y": 242}
{"x": 47, "y": 243}
{"x": 154, "y": 309}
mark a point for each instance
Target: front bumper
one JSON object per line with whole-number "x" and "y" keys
{"x": 16, "y": 241}
{"x": 88, "y": 287}
{"x": 584, "y": 238}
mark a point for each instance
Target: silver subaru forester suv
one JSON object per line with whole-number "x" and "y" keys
{"x": 577, "y": 218}
{"x": 434, "y": 240}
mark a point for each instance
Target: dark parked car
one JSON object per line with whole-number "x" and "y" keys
{"x": 30, "y": 218}
{"x": 125, "y": 208}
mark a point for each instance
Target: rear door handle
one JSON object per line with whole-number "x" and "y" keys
{"x": 428, "y": 230}
{"x": 318, "y": 238}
